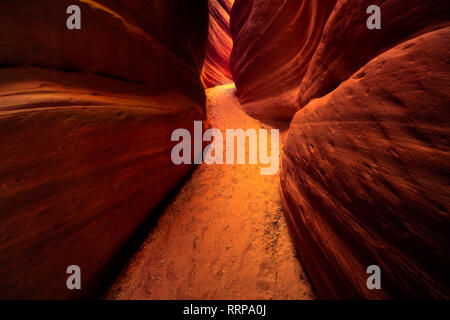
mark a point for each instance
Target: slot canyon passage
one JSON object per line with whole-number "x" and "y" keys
{"x": 252, "y": 258}
{"x": 86, "y": 118}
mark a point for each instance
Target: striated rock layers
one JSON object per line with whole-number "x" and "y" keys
{"x": 86, "y": 118}
{"x": 348, "y": 45}
{"x": 274, "y": 41}
{"x": 365, "y": 174}
{"x": 216, "y": 70}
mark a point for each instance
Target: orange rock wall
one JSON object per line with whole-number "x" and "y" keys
{"x": 274, "y": 41}
{"x": 364, "y": 177}
{"x": 86, "y": 118}
{"x": 216, "y": 70}
{"x": 347, "y": 44}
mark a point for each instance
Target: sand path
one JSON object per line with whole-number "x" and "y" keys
{"x": 223, "y": 236}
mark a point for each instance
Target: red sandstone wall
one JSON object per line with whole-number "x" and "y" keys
{"x": 85, "y": 123}
{"x": 216, "y": 70}
{"x": 347, "y": 44}
{"x": 86, "y": 116}
{"x": 274, "y": 41}
{"x": 364, "y": 176}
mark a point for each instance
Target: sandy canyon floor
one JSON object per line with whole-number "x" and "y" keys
{"x": 223, "y": 236}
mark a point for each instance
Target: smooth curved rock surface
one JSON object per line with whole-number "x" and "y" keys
{"x": 216, "y": 70}
{"x": 274, "y": 42}
{"x": 365, "y": 176}
{"x": 133, "y": 40}
{"x": 347, "y": 44}
{"x": 85, "y": 122}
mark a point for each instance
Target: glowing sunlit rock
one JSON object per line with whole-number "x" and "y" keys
{"x": 274, "y": 42}
{"x": 216, "y": 70}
